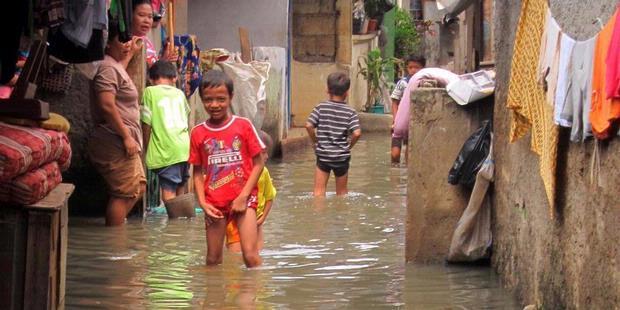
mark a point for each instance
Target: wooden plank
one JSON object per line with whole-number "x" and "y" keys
{"x": 246, "y": 49}
{"x": 13, "y": 222}
{"x": 62, "y": 254}
{"x": 25, "y": 87}
{"x": 136, "y": 69}
{"x": 25, "y": 108}
{"x": 470, "y": 53}
{"x": 41, "y": 253}
{"x": 55, "y": 200}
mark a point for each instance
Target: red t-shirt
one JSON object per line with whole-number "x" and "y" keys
{"x": 225, "y": 154}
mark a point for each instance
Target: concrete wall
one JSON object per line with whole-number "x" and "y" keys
{"x": 571, "y": 262}
{"x": 438, "y": 129}
{"x": 436, "y": 47}
{"x": 309, "y": 79}
{"x": 216, "y": 23}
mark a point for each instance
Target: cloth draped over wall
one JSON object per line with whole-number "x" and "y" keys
{"x": 527, "y": 100}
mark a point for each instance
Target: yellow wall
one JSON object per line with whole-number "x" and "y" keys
{"x": 309, "y": 87}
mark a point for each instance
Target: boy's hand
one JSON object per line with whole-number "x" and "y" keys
{"x": 212, "y": 212}
{"x": 240, "y": 204}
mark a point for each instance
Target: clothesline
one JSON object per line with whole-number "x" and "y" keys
{"x": 557, "y": 80}
{"x": 571, "y": 73}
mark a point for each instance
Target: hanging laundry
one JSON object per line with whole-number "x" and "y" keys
{"x": 566, "y": 49}
{"x": 188, "y": 64}
{"x": 604, "y": 111}
{"x": 64, "y": 49}
{"x": 48, "y": 13}
{"x": 613, "y": 63}
{"x": 122, "y": 11}
{"x": 80, "y": 38}
{"x": 526, "y": 99}
{"x": 549, "y": 57}
{"x": 82, "y": 18}
{"x": 575, "y": 111}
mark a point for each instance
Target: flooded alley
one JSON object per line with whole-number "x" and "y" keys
{"x": 330, "y": 254}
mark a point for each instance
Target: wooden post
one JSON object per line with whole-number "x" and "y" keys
{"x": 170, "y": 25}
{"x": 136, "y": 69}
{"x": 246, "y": 49}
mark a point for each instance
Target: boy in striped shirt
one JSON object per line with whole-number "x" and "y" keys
{"x": 334, "y": 128}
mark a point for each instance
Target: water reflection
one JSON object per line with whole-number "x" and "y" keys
{"x": 329, "y": 253}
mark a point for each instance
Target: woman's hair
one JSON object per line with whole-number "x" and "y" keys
{"x": 136, "y": 3}
{"x": 114, "y": 29}
{"x": 215, "y": 78}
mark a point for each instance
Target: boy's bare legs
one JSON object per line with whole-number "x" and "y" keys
{"x": 167, "y": 195}
{"x": 248, "y": 234}
{"x": 216, "y": 231}
{"x": 181, "y": 190}
{"x": 395, "y": 155}
{"x": 234, "y": 247}
{"x": 260, "y": 241}
{"x": 320, "y": 182}
{"x": 406, "y": 155}
{"x": 341, "y": 185}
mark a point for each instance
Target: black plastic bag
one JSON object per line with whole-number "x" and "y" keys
{"x": 471, "y": 157}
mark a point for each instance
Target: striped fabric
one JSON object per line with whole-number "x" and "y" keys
{"x": 23, "y": 149}
{"x": 31, "y": 186}
{"x": 334, "y": 121}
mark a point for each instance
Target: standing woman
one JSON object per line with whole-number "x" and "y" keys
{"x": 141, "y": 24}
{"x": 116, "y": 142}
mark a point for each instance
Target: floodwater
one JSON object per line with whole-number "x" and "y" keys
{"x": 325, "y": 254}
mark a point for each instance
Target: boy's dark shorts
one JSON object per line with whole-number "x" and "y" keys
{"x": 173, "y": 176}
{"x": 398, "y": 142}
{"x": 340, "y": 168}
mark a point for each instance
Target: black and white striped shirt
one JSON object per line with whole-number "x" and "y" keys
{"x": 334, "y": 121}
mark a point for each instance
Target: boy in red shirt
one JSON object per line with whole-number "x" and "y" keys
{"x": 225, "y": 151}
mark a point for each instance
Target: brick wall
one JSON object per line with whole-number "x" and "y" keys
{"x": 315, "y": 30}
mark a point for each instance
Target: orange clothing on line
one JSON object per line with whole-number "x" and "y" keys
{"x": 604, "y": 111}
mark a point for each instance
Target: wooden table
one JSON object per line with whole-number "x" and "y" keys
{"x": 33, "y": 252}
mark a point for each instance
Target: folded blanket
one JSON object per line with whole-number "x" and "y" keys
{"x": 23, "y": 149}
{"x": 31, "y": 186}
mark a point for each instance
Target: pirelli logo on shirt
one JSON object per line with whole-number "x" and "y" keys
{"x": 225, "y": 158}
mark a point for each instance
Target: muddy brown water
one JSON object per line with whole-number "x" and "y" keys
{"x": 319, "y": 254}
